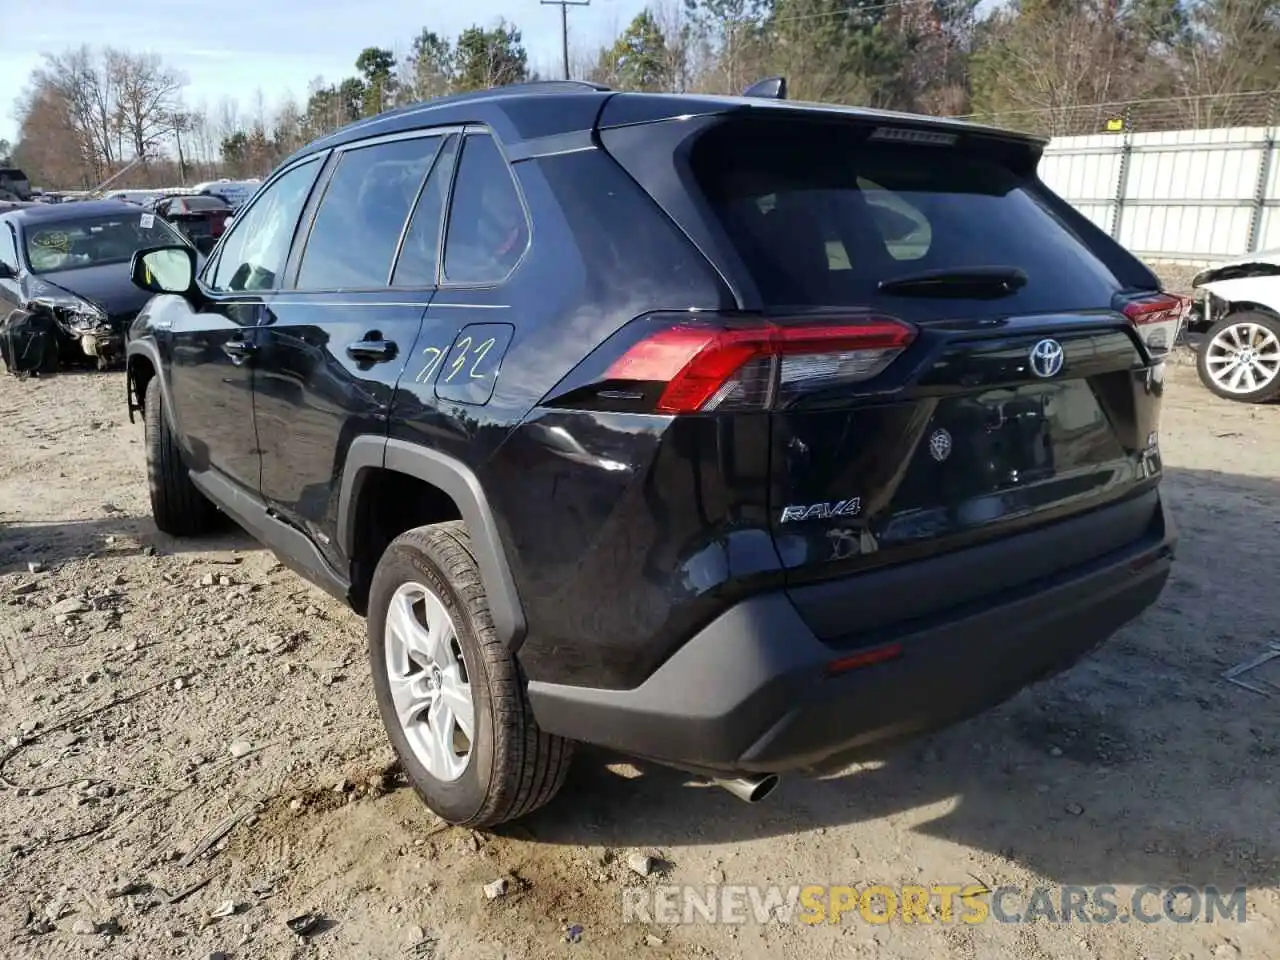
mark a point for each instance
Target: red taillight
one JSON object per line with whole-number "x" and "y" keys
{"x": 1158, "y": 319}
{"x": 708, "y": 368}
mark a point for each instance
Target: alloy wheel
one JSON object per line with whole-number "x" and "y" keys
{"x": 429, "y": 681}
{"x": 1243, "y": 358}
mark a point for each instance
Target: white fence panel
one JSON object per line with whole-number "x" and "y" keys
{"x": 1195, "y": 195}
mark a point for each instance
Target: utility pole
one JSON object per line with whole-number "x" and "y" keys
{"x": 564, "y": 6}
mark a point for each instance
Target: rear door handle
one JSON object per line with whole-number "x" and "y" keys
{"x": 239, "y": 350}
{"x": 372, "y": 350}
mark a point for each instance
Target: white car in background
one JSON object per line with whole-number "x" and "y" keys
{"x": 1239, "y": 356}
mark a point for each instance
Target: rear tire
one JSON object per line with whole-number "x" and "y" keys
{"x": 177, "y": 506}
{"x": 1239, "y": 358}
{"x": 421, "y": 673}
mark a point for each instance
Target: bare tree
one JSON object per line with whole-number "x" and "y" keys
{"x": 1054, "y": 70}
{"x": 147, "y": 95}
{"x": 81, "y": 81}
{"x": 49, "y": 146}
{"x": 676, "y": 29}
{"x": 1232, "y": 54}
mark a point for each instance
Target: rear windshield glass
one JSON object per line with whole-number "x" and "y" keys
{"x": 198, "y": 204}
{"x": 820, "y": 216}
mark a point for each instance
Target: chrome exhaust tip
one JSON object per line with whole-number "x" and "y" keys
{"x": 749, "y": 789}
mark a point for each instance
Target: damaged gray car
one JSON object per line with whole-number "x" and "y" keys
{"x": 1239, "y": 354}
{"x": 68, "y": 264}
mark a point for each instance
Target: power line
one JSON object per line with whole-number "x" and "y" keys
{"x": 564, "y": 6}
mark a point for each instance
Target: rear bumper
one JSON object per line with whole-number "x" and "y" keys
{"x": 750, "y": 692}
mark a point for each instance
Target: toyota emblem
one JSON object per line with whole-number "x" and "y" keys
{"x": 1046, "y": 358}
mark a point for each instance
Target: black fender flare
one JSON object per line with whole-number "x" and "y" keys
{"x": 151, "y": 353}
{"x": 368, "y": 453}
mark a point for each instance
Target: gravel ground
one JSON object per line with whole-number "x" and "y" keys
{"x": 194, "y": 758}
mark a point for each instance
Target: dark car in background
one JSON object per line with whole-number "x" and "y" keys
{"x": 71, "y": 263}
{"x": 200, "y": 218}
{"x": 14, "y": 185}
{"x": 235, "y": 193}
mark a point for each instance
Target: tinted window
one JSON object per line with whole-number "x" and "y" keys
{"x": 199, "y": 204}
{"x": 417, "y": 264}
{"x": 487, "y": 228}
{"x": 257, "y": 245}
{"x": 821, "y": 216}
{"x": 362, "y": 215}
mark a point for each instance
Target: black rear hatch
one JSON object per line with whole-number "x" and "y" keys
{"x": 1018, "y": 393}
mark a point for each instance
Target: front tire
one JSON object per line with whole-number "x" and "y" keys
{"x": 450, "y": 694}
{"x": 177, "y": 506}
{"x": 1239, "y": 358}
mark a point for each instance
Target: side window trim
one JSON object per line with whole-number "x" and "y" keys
{"x": 215, "y": 255}
{"x": 293, "y": 266}
{"x": 444, "y": 283}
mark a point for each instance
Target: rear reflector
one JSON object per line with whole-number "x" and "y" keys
{"x": 864, "y": 658}
{"x": 709, "y": 368}
{"x": 1158, "y": 319}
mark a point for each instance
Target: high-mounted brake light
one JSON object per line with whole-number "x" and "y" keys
{"x": 710, "y": 368}
{"x": 1158, "y": 319}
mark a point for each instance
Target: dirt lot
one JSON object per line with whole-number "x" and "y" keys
{"x": 182, "y": 713}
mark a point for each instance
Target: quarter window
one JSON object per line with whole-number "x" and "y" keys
{"x": 358, "y": 226}
{"x": 488, "y": 231}
{"x": 254, "y": 251}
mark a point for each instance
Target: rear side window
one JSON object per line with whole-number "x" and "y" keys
{"x": 820, "y": 216}
{"x": 488, "y": 232}
{"x": 416, "y": 266}
{"x": 362, "y": 214}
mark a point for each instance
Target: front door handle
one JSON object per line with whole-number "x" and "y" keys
{"x": 239, "y": 350}
{"x": 372, "y": 349}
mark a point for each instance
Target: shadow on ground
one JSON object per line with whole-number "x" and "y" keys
{"x": 55, "y": 542}
{"x": 1140, "y": 765}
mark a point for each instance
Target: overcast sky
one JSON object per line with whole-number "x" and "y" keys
{"x": 230, "y": 48}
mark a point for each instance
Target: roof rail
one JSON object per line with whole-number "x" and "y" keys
{"x": 551, "y": 85}
{"x": 771, "y": 88}
{"x": 467, "y": 95}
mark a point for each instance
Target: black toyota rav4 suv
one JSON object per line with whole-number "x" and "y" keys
{"x": 737, "y": 434}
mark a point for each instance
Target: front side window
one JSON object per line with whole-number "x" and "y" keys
{"x": 488, "y": 232}
{"x": 95, "y": 241}
{"x": 357, "y": 228}
{"x": 254, "y": 252}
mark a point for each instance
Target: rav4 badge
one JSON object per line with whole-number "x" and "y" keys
{"x": 822, "y": 511}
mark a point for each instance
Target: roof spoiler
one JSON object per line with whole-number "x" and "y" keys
{"x": 771, "y": 88}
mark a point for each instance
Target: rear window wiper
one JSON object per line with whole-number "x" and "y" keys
{"x": 969, "y": 282}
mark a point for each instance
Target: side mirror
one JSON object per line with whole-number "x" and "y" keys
{"x": 164, "y": 269}
{"x": 7, "y": 272}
